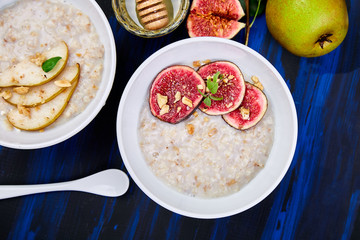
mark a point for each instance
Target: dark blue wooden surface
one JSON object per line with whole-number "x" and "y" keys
{"x": 319, "y": 198}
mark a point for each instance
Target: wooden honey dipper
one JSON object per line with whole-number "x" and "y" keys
{"x": 152, "y": 14}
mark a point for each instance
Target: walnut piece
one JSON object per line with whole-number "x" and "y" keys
{"x": 62, "y": 83}
{"x": 177, "y": 96}
{"x": 38, "y": 59}
{"x": 23, "y": 110}
{"x": 6, "y": 94}
{"x": 161, "y": 100}
{"x": 196, "y": 64}
{"x": 190, "y": 128}
{"x": 164, "y": 109}
{"x": 245, "y": 113}
{"x": 257, "y": 82}
{"x": 187, "y": 101}
{"x": 21, "y": 90}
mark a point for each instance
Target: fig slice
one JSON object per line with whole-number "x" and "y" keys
{"x": 174, "y": 93}
{"x": 215, "y": 18}
{"x": 29, "y": 72}
{"x": 231, "y": 87}
{"x": 39, "y": 117}
{"x": 251, "y": 110}
{"x": 44, "y": 93}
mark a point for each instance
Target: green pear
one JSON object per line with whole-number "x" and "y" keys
{"x": 37, "y": 95}
{"x": 39, "y": 117}
{"x": 29, "y": 72}
{"x": 307, "y": 28}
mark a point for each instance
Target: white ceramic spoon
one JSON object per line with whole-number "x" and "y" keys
{"x": 110, "y": 183}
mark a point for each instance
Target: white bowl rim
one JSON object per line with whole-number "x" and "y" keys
{"x": 132, "y": 172}
{"x": 99, "y": 105}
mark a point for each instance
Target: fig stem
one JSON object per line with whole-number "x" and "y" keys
{"x": 247, "y": 32}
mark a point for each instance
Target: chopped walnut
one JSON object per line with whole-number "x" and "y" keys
{"x": 21, "y": 90}
{"x": 255, "y": 79}
{"x": 161, "y": 100}
{"x": 257, "y": 82}
{"x": 23, "y": 110}
{"x": 195, "y": 114}
{"x": 206, "y": 119}
{"x": 177, "y": 96}
{"x": 178, "y": 109}
{"x": 62, "y": 83}
{"x": 38, "y": 59}
{"x": 6, "y": 94}
{"x": 231, "y": 77}
{"x": 245, "y": 113}
{"x": 206, "y": 61}
{"x": 164, "y": 109}
{"x": 200, "y": 86}
{"x": 259, "y": 85}
{"x": 190, "y": 128}
{"x": 187, "y": 101}
{"x": 196, "y": 64}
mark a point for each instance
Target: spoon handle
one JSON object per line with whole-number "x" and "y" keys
{"x": 9, "y": 191}
{"x": 110, "y": 183}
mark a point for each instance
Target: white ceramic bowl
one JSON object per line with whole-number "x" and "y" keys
{"x": 251, "y": 63}
{"x": 61, "y": 132}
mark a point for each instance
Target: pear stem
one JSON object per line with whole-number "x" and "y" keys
{"x": 324, "y": 38}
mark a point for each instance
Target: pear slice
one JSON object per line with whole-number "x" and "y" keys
{"x": 39, "y": 117}
{"x": 29, "y": 71}
{"x": 37, "y": 95}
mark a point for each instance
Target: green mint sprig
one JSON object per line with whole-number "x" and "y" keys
{"x": 213, "y": 86}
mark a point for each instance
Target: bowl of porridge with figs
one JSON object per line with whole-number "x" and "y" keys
{"x": 206, "y": 127}
{"x": 57, "y": 66}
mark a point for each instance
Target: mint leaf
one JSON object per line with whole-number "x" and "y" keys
{"x": 213, "y": 87}
{"x": 207, "y": 101}
{"x": 216, "y": 75}
{"x": 49, "y": 64}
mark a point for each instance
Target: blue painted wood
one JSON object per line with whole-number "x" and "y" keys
{"x": 319, "y": 198}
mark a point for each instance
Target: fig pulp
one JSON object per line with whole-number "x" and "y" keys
{"x": 251, "y": 110}
{"x": 216, "y": 18}
{"x": 174, "y": 93}
{"x": 231, "y": 87}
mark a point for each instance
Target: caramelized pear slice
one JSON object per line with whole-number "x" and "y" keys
{"x": 29, "y": 72}
{"x": 44, "y": 93}
{"x": 36, "y": 118}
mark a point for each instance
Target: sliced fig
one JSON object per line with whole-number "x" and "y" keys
{"x": 251, "y": 110}
{"x": 231, "y": 87}
{"x": 174, "y": 93}
{"x": 216, "y": 18}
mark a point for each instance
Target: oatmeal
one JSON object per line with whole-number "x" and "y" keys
{"x": 33, "y": 26}
{"x": 203, "y": 156}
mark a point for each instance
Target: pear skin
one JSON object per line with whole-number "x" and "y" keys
{"x": 307, "y": 28}
{"x": 29, "y": 72}
{"x": 44, "y": 93}
{"x": 37, "y": 118}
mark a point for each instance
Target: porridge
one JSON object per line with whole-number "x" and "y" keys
{"x": 203, "y": 156}
{"x": 34, "y": 26}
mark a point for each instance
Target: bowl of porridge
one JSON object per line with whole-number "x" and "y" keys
{"x": 31, "y": 32}
{"x": 202, "y": 167}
